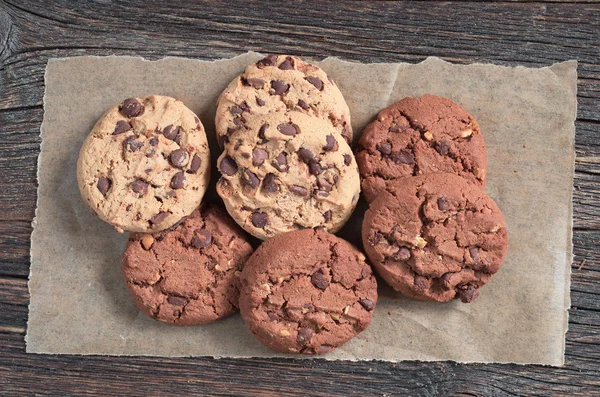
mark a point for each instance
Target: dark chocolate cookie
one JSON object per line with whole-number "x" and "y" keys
{"x": 187, "y": 275}
{"x": 435, "y": 237}
{"x": 418, "y": 136}
{"x": 307, "y": 291}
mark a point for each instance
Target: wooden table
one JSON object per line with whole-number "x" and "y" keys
{"x": 513, "y": 33}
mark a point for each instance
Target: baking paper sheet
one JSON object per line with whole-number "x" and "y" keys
{"x": 80, "y": 305}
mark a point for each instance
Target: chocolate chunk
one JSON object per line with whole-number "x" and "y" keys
{"x": 347, "y": 159}
{"x": 239, "y": 122}
{"x": 279, "y": 87}
{"x": 158, "y": 218}
{"x": 474, "y": 251}
{"x": 298, "y": 190}
{"x": 259, "y": 219}
{"x": 421, "y": 282}
{"x": 131, "y": 107}
{"x": 103, "y": 185}
{"x": 287, "y": 64}
{"x": 303, "y": 104}
{"x": 273, "y": 316}
{"x": 445, "y": 280}
{"x": 121, "y": 127}
{"x": 404, "y": 157}
{"x": 306, "y": 155}
{"x": 202, "y": 238}
{"x": 288, "y": 129}
{"x": 304, "y": 336}
{"x": 467, "y": 294}
{"x": 139, "y": 186}
{"x": 261, "y": 132}
{"x": 367, "y": 304}
{"x": 327, "y": 215}
{"x": 269, "y": 60}
{"x": 176, "y": 300}
{"x": 402, "y": 254}
{"x": 384, "y": 148}
{"x": 172, "y": 133}
{"x": 319, "y": 280}
{"x": 259, "y": 156}
{"x": 153, "y": 141}
{"x": 245, "y": 155}
{"x": 236, "y": 110}
{"x": 442, "y": 203}
{"x": 315, "y": 81}
{"x": 280, "y": 162}
{"x": 195, "y": 165}
{"x": 131, "y": 144}
{"x": 250, "y": 179}
{"x": 260, "y": 102}
{"x": 324, "y": 184}
{"x": 228, "y": 166}
{"x": 178, "y": 180}
{"x": 442, "y": 147}
{"x": 398, "y": 128}
{"x": 331, "y": 145}
{"x": 223, "y": 139}
{"x": 269, "y": 185}
{"x": 254, "y": 82}
{"x": 179, "y": 158}
{"x": 314, "y": 168}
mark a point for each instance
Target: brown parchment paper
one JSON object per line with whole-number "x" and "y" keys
{"x": 79, "y": 303}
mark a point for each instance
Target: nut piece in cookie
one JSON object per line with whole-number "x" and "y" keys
{"x": 307, "y": 292}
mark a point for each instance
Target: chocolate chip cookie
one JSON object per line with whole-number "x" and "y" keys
{"x": 420, "y": 136}
{"x": 307, "y": 292}
{"x": 145, "y": 164}
{"x": 278, "y": 84}
{"x": 435, "y": 237}
{"x": 187, "y": 275}
{"x": 288, "y": 171}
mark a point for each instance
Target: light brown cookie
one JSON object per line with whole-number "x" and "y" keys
{"x": 288, "y": 171}
{"x": 278, "y": 84}
{"x": 188, "y": 275}
{"x": 307, "y": 292}
{"x": 418, "y": 136}
{"x": 145, "y": 164}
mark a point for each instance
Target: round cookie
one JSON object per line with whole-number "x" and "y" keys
{"x": 187, "y": 275}
{"x": 287, "y": 172}
{"x": 145, "y": 164}
{"x": 307, "y": 292}
{"x": 418, "y": 136}
{"x": 435, "y": 237}
{"x": 278, "y": 84}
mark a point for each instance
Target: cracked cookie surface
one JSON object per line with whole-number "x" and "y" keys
{"x": 289, "y": 171}
{"x": 278, "y": 84}
{"x": 435, "y": 237}
{"x": 418, "y": 136}
{"x": 188, "y": 275}
{"x": 307, "y": 292}
{"x": 145, "y": 164}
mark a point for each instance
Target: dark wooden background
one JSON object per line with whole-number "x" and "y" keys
{"x": 511, "y": 33}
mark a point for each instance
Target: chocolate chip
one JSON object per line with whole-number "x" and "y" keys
{"x": 279, "y": 87}
{"x": 273, "y": 316}
{"x": 303, "y": 104}
{"x": 269, "y": 185}
{"x": 240, "y": 122}
{"x": 269, "y": 60}
{"x": 421, "y": 282}
{"x": 202, "y": 238}
{"x": 287, "y": 64}
{"x": 172, "y": 133}
{"x": 179, "y": 158}
{"x": 445, "y": 280}
{"x": 223, "y": 139}
{"x": 158, "y": 218}
{"x": 245, "y": 155}
{"x": 474, "y": 251}
{"x": 319, "y": 280}
{"x": 178, "y": 180}
{"x": 324, "y": 349}
{"x": 404, "y": 157}
{"x": 309, "y": 306}
{"x": 467, "y": 294}
{"x": 236, "y": 110}
{"x": 347, "y": 159}
{"x": 197, "y": 120}
{"x": 150, "y": 152}
{"x": 317, "y": 82}
{"x": 323, "y": 184}
{"x": 121, "y": 127}
{"x": 254, "y": 82}
{"x": 249, "y": 179}
{"x": 195, "y": 165}
{"x": 131, "y": 107}
{"x": 367, "y": 304}
{"x": 398, "y": 128}
{"x": 153, "y": 141}
{"x": 402, "y": 254}
{"x": 228, "y": 166}
{"x": 306, "y": 155}
{"x": 103, "y": 185}
{"x": 331, "y": 145}
{"x": 176, "y": 300}
{"x": 260, "y": 102}
{"x": 442, "y": 147}
{"x": 280, "y": 162}
{"x": 298, "y": 190}
{"x": 261, "y": 132}
{"x": 259, "y": 156}
{"x": 148, "y": 171}
{"x": 259, "y": 219}
{"x": 139, "y": 186}
{"x": 327, "y": 215}
{"x": 131, "y": 144}
{"x": 314, "y": 168}
{"x": 384, "y": 148}
{"x": 304, "y": 336}
{"x": 442, "y": 203}
{"x": 288, "y": 129}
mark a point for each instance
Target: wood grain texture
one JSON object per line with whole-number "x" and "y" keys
{"x": 510, "y": 33}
